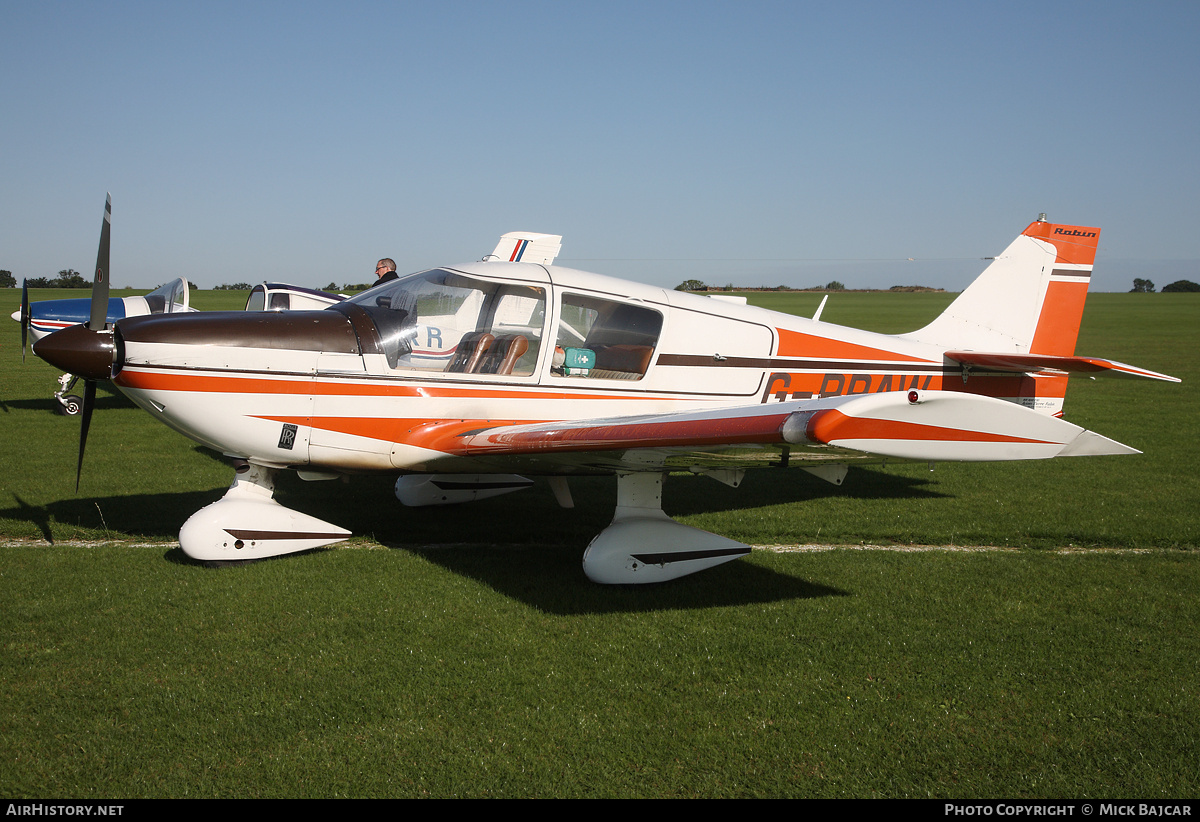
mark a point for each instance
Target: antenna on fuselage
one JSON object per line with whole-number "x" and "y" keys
{"x": 820, "y": 308}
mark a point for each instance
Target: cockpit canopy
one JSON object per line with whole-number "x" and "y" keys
{"x": 169, "y": 299}
{"x": 442, "y": 320}
{"x": 445, "y": 320}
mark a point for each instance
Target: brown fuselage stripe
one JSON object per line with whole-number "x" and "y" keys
{"x": 778, "y": 364}
{"x": 238, "y": 533}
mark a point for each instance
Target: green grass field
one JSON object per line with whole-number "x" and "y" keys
{"x": 461, "y": 652}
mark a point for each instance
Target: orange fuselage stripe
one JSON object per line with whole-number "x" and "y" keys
{"x": 798, "y": 344}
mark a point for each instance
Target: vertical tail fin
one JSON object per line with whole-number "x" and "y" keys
{"x": 1028, "y": 301}
{"x": 526, "y": 247}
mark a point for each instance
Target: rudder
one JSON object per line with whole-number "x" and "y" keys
{"x": 1066, "y": 291}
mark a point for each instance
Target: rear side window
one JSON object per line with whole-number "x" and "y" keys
{"x": 604, "y": 339}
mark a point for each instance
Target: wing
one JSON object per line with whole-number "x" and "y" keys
{"x": 897, "y": 425}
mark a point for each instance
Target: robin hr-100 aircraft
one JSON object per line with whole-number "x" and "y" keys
{"x": 463, "y": 378}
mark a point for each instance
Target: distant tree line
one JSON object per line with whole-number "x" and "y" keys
{"x": 1181, "y": 285}
{"x": 697, "y": 285}
{"x": 67, "y": 278}
{"x": 1141, "y": 286}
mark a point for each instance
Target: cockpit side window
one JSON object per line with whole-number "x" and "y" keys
{"x": 604, "y": 339}
{"x": 443, "y": 321}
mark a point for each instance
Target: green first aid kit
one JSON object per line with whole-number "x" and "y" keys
{"x": 579, "y": 360}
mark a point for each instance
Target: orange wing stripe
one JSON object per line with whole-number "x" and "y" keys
{"x": 764, "y": 428}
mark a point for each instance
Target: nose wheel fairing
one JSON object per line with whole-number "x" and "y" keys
{"x": 247, "y": 523}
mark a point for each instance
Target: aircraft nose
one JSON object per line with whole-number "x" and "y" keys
{"x": 78, "y": 350}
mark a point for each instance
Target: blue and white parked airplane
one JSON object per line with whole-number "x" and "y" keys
{"x": 47, "y": 316}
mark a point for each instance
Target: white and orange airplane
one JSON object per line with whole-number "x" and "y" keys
{"x": 466, "y": 379}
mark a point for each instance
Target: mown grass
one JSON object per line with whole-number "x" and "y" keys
{"x": 502, "y": 672}
{"x": 461, "y": 652}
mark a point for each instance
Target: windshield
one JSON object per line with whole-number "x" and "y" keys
{"x": 441, "y": 320}
{"x": 169, "y": 298}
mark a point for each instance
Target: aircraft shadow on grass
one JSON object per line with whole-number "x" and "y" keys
{"x": 686, "y": 495}
{"x": 550, "y": 579}
{"x": 49, "y": 404}
{"x": 522, "y": 545}
{"x": 107, "y": 398}
{"x": 541, "y": 570}
{"x": 527, "y": 548}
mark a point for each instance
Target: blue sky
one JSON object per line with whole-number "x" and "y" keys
{"x": 754, "y": 143}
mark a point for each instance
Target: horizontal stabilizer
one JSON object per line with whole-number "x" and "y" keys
{"x": 952, "y": 426}
{"x": 1093, "y": 366}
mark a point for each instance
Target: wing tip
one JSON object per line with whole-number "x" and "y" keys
{"x": 1091, "y": 444}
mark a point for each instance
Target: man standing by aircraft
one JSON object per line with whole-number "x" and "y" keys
{"x": 385, "y": 270}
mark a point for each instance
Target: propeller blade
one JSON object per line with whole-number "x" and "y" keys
{"x": 89, "y": 402}
{"x": 24, "y": 316}
{"x": 97, "y": 322}
{"x": 100, "y": 284}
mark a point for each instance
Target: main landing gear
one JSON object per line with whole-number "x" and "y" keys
{"x": 644, "y": 545}
{"x": 641, "y": 545}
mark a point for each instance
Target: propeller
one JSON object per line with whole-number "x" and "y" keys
{"x": 97, "y": 322}
{"x": 24, "y": 316}
{"x": 99, "y": 316}
{"x": 89, "y": 402}
{"x": 86, "y": 350}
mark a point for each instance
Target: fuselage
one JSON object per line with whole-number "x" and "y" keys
{"x": 387, "y": 381}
